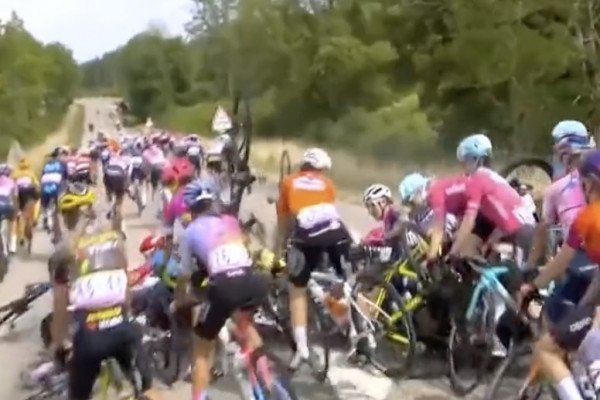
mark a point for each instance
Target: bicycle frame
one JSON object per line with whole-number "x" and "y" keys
{"x": 488, "y": 280}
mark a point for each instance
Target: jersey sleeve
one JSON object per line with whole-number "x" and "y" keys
{"x": 549, "y": 210}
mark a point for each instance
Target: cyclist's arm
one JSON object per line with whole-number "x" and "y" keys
{"x": 284, "y": 219}
{"x": 556, "y": 267}
{"x": 592, "y": 294}
{"x": 474, "y": 194}
{"x": 540, "y": 237}
{"x": 58, "y": 265}
{"x": 436, "y": 238}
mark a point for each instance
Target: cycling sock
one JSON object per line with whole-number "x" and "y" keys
{"x": 567, "y": 389}
{"x": 301, "y": 340}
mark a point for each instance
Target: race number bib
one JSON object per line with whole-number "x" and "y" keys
{"x": 136, "y": 162}
{"x": 311, "y": 216}
{"x": 24, "y": 181}
{"x": 193, "y": 151}
{"x": 228, "y": 256}
{"x": 99, "y": 290}
{"x": 52, "y": 177}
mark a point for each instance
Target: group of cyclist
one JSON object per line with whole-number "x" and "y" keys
{"x": 490, "y": 211}
{"x": 465, "y": 214}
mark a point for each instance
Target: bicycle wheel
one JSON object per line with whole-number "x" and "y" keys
{"x": 165, "y": 360}
{"x": 391, "y": 330}
{"x": 321, "y": 329}
{"x": 273, "y": 378}
{"x": 470, "y": 344}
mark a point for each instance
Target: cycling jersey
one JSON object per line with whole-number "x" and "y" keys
{"x": 585, "y": 232}
{"x": 309, "y": 197}
{"x": 492, "y": 196}
{"x": 71, "y": 162}
{"x": 7, "y": 192}
{"x": 174, "y": 210}
{"x": 217, "y": 241}
{"x": 563, "y": 200}
{"x": 447, "y": 196}
{"x": 7, "y": 186}
{"x": 154, "y": 156}
{"x": 25, "y": 178}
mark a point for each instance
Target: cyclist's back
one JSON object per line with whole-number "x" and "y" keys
{"x": 563, "y": 200}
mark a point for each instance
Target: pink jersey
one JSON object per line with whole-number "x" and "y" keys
{"x": 174, "y": 209}
{"x": 447, "y": 196}
{"x": 7, "y": 186}
{"x": 154, "y": 155}
{"x": 490, "y": 194}
{"x": 563, "y": 200}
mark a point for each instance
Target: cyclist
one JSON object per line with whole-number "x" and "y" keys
{"x": 77, "y": 199}
{"x": 84, "y": 168}
{"x": 89, "y": 277}
{"x": 138, "y": 173}
{"x": 216, "y": 241}
{"x": 54, "y": 175}
{"x": 28, "y": 189}
{"x": 379, "y": 203}
{"x": 490, "y": 194}
{"x": 116, "y": 183}
{"x": 194, "y": 151}
{"x": 568, "y": 333}
{"x": 70, "y": 159}
{"x": 8, "y": 200}
{"x": 577, "y": 133}
{"x": 563, "y": 201}
{"x": 154, "y": 158}
{"x": 306, "y": 213}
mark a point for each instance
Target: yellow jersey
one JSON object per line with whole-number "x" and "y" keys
{"x": 25, "y": 178}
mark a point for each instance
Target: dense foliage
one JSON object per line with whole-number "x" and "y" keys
{"x": 37, "y": 84}
{"x": 396, "y": 75}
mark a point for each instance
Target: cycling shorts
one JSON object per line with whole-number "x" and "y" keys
{"x": 122, "y": 342}
{"x": 570, "y": 331}
{"x": 226, "y": 293}
{"x": 115, "y": 180}
{"x": 306, "y": 254}
{"x": 7, "y": 208}
{"x": 26, "y": 194}
{"x": 49, "y": 192}
{"x": 155, "y": 172}
{"x": 138, "y": 173}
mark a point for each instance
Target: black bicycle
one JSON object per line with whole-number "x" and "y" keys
{"x": 15, "y": 309}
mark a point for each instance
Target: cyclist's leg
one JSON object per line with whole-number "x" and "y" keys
{"x": 299, "y": 275}
{"x": 84, "y": 367}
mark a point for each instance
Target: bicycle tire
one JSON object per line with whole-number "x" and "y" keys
{"x": 458, "y": 387}
{"x": 162, "y": 348}
{"x": 324, "y": 329}
{"x": 283, "y": 388}
{"x": 405, "y": 367}
{"x": 531, "y": 162}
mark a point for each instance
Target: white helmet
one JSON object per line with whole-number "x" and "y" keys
{"x": 377, "y": 192}
{"x": 569, "y": 128}
{"x": 317, "y": 158}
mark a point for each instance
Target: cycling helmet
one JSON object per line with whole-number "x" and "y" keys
{"x": 198, "y": 191}
{"x": 317, "y": 158}
{"x": 590, "y": 166}
{"x": 152, "y": 242}
{"x": 411, "y": 185}
{"x": 77, "y": 195}
{"x": 5, "y": 169}
{"x": 184, "y": 170}
{"x": 376, "y": 193}
{"x": 569, "y": 128}
{"x": 476, "y": 146}
{"x": 24, "y": 164}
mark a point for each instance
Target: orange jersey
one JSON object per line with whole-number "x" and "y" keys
{"x": 304, "y": 189}
{"x": 585, "y": 231}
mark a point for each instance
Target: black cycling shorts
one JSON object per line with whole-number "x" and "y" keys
{"x": 483, "y": 227}
{"x": 138, "y": 173}
{"x": 7, "y": 208}
{"x": 307, "y": 253}
{"x": 570, "y": 331}
{"x": 115, "y": 180}
{"x": 155, "y": 173}
{"x": 227, "y": 292}
{"x": 27, "y": 194}
{"x": 90, "y": 348}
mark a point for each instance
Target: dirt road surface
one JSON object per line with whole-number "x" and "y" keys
{"x": 20, "y": 346}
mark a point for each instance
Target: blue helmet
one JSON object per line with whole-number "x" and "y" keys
{"x": 198, "y": 191}
{"x": 475, "y": 146}
{"x": 569, "y": 128}
{"x": 411, "y": 185}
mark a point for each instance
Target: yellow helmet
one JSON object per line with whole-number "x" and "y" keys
{"x": 24, "y": 164}
{"x": 75, "y": 197}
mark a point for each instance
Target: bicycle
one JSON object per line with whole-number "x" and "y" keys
{"x": 15, "y": 309}
{"x": 473, "y": 319}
